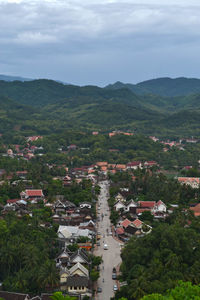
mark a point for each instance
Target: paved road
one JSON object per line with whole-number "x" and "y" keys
{"x": 111, "y": 257}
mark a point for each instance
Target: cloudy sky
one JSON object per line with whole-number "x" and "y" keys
{"x": 100, "y": 41}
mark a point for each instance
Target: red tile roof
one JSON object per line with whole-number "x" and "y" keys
{"x": 12, "y": 200}
{"x": 125, "y": 223}
{"x": 147, "y": 204}
{"x": 134, "y": 163}
{"x": 189, "y": 179}
{"x": 120, "y": 230}
{"x": 34, "y": 193}
{"x": 137, "y": 223}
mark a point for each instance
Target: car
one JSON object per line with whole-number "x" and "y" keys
{"x": 105, "y": 247}
{"x": 115, "y": 288}
{"x": 98, "y": 243}
{"x": 99, "y": 290}
{"x": 114, "y": 270}
{"x": 114, "y": 276}
{"x": 110, "y": 233}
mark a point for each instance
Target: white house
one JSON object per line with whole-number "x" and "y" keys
{"x": 160, "y": 207}
{"x": 130, "y": 204}
{"x": 119, "y": 205}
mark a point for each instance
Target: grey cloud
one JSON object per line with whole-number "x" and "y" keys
{"x": 92, "y": 38}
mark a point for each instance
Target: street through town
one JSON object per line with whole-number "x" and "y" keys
{"x": 111, "y": 256}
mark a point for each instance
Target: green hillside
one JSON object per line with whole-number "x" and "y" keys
{"x": 166, "y": 87}
{"x": 46, "y": 106}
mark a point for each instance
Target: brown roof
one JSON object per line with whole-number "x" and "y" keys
{"x": 77, "y": 281}
{"x": 13, "y": 296}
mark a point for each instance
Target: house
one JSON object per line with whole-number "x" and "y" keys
{"x": 64, "y": 258}
{"x": 120, "y": 167}
{"x": 134, "y": 165}
{"x": 77, "y": 284}
{"x": 67, "y": 181}
{"x": 125, "y": 223}
{"x": 30, "y": 195}
{"x": 147, "y": 204}
{"x": 78, "y": 269}
{"x": 131, "y": 230}
{"x": 88, "y": 225}
{"x": 119, "y": 205}
{"x": 196, "y": 210}
{"x": 137, "y": 223}
{"x": 14, "y": 296}
{"x": 119, "y": 197}
{"x": 160, "y": 207}
{"x": 150, "y": 164}
{"x": 193, "y": 182}
{"x": 64, "y": 274}
{"x": 80, "y": 256}
{"x": 131, "y": 206}
{"x": 71, "y": 233}
{"x": 102, "y": 163}
{"x": 22, "y": 174}
{"x": 60, "y": 207}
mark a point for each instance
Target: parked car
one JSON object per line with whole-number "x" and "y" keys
{"x": 115, "y": 288}
{"x": 99, "y": 290}
{"x": 114, "y": 276}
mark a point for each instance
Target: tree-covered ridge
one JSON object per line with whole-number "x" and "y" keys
{"x": 166, "y": 86}
{"x": 46, "y": 106}
{"x": 156, "y": 262}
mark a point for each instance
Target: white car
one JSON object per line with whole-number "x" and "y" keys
{"x": 115, "y": 288}
{"x": 105, "y": 247}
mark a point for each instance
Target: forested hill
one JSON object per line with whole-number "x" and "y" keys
{"x": 42, "y": 92}
{"x": 166, "y": 87}
{"x": 46, "y": 106}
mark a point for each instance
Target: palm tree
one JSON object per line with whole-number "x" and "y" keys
{"x": 48, "y": 277}
{"x": 59, "y": 296}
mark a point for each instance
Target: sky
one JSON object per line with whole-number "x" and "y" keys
{"x": 100, "y": 41}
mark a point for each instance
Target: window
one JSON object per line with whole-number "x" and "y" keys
{"x": 75, "y": 288}
{"x": 70, "y": 287}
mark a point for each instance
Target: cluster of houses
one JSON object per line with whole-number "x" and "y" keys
{"x": 76, "y": 226}
{"x": 26, "y": 153}
{"x": 74, "y": 271}
{"x": 132, "y": 225}
{"x": 169, "y": 144}
{"x": 193, "y": 182}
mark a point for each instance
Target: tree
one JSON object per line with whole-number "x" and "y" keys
{"x": 183, "y": 291}
{"x": 94, "y": 275}
{"x": 60, "y": 296}
{"x": 48, "y": 275}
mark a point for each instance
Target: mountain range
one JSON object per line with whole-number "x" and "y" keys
{"x": 161, "y": 106}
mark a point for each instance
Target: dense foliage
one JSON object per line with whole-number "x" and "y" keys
{"x": 156, "y": 262}
{"x": 27, "y": 253}
{"x": 46, "y": 106}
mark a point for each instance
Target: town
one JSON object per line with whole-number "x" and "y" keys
{"x": 85, "y": 214}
